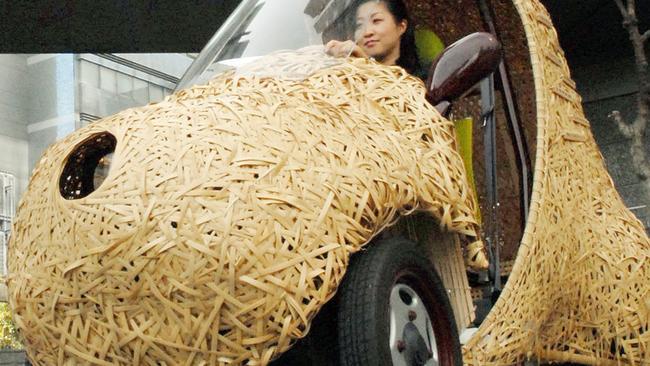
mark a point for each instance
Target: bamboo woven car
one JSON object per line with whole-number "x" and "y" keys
{"x": 231, "y": 209}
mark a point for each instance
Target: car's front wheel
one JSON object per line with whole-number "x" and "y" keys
{"x": 390, "y": 309}
{"x": 393, "y": 310}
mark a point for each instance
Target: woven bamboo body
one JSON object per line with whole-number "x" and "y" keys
{"x": 232, "y": 208}
{"x": 228, "y": 216}
{"x": 580, "y": 287}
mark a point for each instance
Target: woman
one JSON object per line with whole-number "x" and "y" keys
{"x": 383, "y": 32}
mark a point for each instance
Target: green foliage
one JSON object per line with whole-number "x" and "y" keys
{"x": 8, "y": 331}
{"x": 428, "y": 45}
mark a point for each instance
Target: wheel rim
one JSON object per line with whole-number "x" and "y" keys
{"x": 406, "y": 306}
{"x": 413, "y": 301}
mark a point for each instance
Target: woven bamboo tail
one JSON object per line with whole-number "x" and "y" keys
{"x": 578, "y": 290}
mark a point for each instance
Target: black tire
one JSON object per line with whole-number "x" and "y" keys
{"x": 364, "y": 305}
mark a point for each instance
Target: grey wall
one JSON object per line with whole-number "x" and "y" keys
{"x": 52, "y": 99}
{"x": 14, "y": 116}
{"x": 607, "y": 85}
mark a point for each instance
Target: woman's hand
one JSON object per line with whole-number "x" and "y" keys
{"x": 344, "y": 49}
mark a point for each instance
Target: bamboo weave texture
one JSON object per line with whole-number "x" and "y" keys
{"x": 579, "y": 290}
{"x": 228, "y": 215}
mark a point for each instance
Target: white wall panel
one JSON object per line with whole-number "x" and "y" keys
{"x": 14, "y": 117}
{"x": 13, "y": 159}
{"x": 14, "y": 96}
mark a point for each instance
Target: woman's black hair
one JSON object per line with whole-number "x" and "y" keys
{"x": 408, "y": 58}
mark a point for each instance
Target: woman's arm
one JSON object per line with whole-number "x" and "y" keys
{"x": 344, "y": 49}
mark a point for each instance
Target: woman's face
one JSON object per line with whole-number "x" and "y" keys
{"x": 377, "y": 32}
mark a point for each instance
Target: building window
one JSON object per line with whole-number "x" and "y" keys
{"x": 7, "y": 212}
